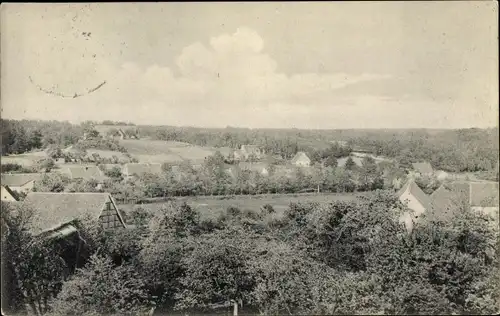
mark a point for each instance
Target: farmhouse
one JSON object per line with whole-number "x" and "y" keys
{"x": 85, "y": 173}
{"x": 56, "y": 218}
{"x": 8, "y": 195}
{"x": 247, "y": 151}
{"x": 20, "y": 182}
{"x": 140, "y": 169}
{"x": 117, "y": 131}
{"x": 301, "y": 159}
{"x": 55, "y": 210}
{"x": 422, "y": 169}
{"x": 415, "y": 199}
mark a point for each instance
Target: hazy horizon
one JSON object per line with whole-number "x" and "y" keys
{"x": 319, "y": 65}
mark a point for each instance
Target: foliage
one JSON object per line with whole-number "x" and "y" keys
{"x": 105, "y": 289}
{"x": 51, "y": 182}
{"x": 35, "y": 269}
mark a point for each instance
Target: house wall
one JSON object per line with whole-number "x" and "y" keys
{"x": 109, "y": 217}
{"x": 412, "y": 203}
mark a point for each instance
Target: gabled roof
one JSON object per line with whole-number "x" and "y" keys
{"x": 19, "y": 179}
{"x": 477, "y": 194}
{"x": 415, "y": 191}
{"x": 53, "y": 210}
{"x": 443, "y": 200}
{"x": 142, "y": 168}
{"x": 422, "y": 167}
{"x": 14, "y": 195}
{"x": 299, "y": 156}
{"x": 86, "y": 173}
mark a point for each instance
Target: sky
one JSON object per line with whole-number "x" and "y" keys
{"x": 332, "y": 65}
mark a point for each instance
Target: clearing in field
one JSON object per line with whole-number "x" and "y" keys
{"x": 25, "y": 160}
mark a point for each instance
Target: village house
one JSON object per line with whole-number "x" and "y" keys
{"x": 421, "y": 169}
{"x": 20, "y": 182}
{"x": 56, "y": 217}
{"x": 478, "y": 196}
{"x": 8, "y": 195}
{"x": 140, "y": 169}
{"x": 117, "y": 131}
{"x": 247, "y": 151}
{"x": 301, "y": 160}
{"x": 415, "y": 199}
{"x": 86, "y": 173}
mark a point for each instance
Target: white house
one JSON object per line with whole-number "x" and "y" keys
{"x": 415, "y": 199}
{"x": 301, "y": 159}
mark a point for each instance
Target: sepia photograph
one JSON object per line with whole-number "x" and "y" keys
{"x": 250, "y": 158}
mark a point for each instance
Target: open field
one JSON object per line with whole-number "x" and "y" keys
{"x": 157, "y": 151}
{"x": 26, "y": 160}
{"x": 213, "y": 206}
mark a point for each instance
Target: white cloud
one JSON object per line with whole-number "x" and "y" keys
{"x": 231, "y": 81}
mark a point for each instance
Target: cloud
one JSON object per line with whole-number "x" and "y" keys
{"x": 234, "y": 70}
{"x": 230, "y": 80}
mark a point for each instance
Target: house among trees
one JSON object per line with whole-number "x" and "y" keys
{"x": 117, "y": 131}
{"x": 421, "y": 169}
{"x": 140, "y": 169}
{"x": 301, "y": 160}
{"x": 85, "y": 173}
{"x": 55, "y": 210}
{"x": 247, "y": 151}
{"x": 20, "y": 182}
{"x": 415, "y": 199}
{"x": 478, "y": 196}
{"x": 8, "y": 195}
{"x": 57, "y": 217}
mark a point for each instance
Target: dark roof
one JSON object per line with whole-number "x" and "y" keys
{"x": 53, "y": 210}
{"x": 86, "y": 173}
{"x": 422, "y": 167}
{"x": 12, "y": 193}
{"x": 19, "y": 179}
{"x": 444, "y": 204}
{"x": 484, "y": 194}
{"x": 480, "y": 194}
{"x": 414, "y": 189}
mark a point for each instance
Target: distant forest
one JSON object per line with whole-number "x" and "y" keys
{"x": 462, "y": 150}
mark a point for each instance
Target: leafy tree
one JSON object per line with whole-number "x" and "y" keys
{"x": 34, "y": 270}
{"x": 350, "y": 164}
{"x": 215, "y": 272}
{"x": 51, "y": 182}
{"x": 103, "y": 289}
{"x": 331, "y": 161}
